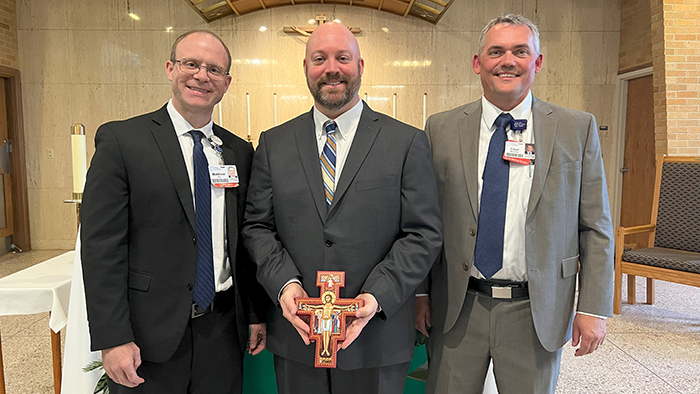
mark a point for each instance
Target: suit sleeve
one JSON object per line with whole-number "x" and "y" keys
{"x": 104, "y": 240}
{"x": 274, "y": 264}
{"x": 595, "y": 232}
{"x": 257, "y": 302}
{"x": 425, "y": 285}
{"x": 418, "y": 243}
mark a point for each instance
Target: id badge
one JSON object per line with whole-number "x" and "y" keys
{"x": 224, "y": 176}
{"x": 515, "y": 152}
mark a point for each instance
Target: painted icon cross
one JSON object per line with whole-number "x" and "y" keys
{"x": 328, "y": 315}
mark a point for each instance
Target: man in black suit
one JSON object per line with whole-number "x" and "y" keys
{"x": 343, "y": 188}
{"x": 170, "y": 289}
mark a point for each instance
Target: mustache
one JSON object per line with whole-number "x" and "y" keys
{"x": 337, "y": 77}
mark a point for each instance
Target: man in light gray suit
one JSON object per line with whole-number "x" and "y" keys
{"x": 517, "y": 229}
{"x": 343, "y": 188}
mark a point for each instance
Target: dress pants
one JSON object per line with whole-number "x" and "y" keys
{"x": 489, "y": 328}
{"x": 208, "y": 360}
{"x": 298, "y": 378}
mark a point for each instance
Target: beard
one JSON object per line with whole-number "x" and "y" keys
{"x": 325, "y": 100}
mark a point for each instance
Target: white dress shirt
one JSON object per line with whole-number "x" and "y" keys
{"x": 344, "y": 134}
{"x": 222, "y": 268}
{"x": 519, "y": 185}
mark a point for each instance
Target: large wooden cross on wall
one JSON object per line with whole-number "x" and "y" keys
{"x": 328, "y": 315}
{"x": 306, "y": 31}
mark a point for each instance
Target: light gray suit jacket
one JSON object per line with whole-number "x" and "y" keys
{"x": 383, "y": 229}
{"x": 568, "y": 218}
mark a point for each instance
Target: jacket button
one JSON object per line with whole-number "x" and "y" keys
{"x": 472, "y": 232}
{"x": 465, "y": 266}
{"x": 329, "y": 243}
{"x": 194, "y": 241}
{"x": 189, "y": 287}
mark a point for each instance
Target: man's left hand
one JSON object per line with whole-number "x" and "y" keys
{"x": 589, "y": 332}
{"x": 258, "y": 336}
{"x": 362, "y": 317}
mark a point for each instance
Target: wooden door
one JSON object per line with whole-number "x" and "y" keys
{"x": 638, "y": 180}
{"x": 6, "y": 215}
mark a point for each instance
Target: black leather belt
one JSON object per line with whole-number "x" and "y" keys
{"x": 501, "y": 289}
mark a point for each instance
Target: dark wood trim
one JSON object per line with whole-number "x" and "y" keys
{"x": 18, "y": 161}
{"x": 634, "y": 68}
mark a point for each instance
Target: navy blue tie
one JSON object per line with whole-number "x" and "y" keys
{"x": 204, "y": 289}
{"x": 488, "y": 253}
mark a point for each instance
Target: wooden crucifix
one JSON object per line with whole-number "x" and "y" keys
{"x": 328, "y": 315}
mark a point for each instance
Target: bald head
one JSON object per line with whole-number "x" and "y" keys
{"x": 333, "y": 69}
{"x": 335, "y": 32}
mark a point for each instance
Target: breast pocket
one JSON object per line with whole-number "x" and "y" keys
{"x": 375, "y": 183}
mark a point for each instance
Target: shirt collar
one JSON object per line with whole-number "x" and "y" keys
{"x": 344, "y": 122}
{"x": 490, "y": 112}
{"x": 182, "y": 126}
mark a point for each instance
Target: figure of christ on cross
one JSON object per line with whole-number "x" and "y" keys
{"x": 328, "y": 315}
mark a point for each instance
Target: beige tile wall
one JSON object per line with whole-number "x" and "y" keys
{"x": 88, "y": 62}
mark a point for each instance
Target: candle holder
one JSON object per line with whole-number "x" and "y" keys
{"x": 79, "y": 160}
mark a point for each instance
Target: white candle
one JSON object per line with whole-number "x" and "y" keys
{"x": 365, "y": 97}
{"x": 274, "y": 109}
{"x": 221, "y": 116}
{"x": 394, "y": 105}
{"x": 425, "y": 108}
{"x": 247, "y": 108}
{"x": 79, "y": 159}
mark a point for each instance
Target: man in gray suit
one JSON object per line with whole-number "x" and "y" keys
{"x": 517, "y": 229}
{"x": 343, "y": 188}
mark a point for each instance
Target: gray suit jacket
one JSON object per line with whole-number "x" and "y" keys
{"x": 568, "y": 218}
{"x": 383, "y": 229}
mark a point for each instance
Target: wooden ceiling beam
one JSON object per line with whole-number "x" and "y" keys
{"x": 408, "y": 8}
{"x": 439, "y": 2}
{"x": 233, "y": 7}
{"x": 426, "y": 8}
{"x": 262, "y": 4}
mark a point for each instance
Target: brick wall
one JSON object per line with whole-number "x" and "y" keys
{"x": 635, "y": 35}
{"x": 8, "y": 34}
{"x": 675, "y": 30}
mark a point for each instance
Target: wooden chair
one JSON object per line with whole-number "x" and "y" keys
{"x": 674, "y": 232}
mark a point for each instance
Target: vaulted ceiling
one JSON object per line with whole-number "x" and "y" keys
{"x": 427, "y": 10}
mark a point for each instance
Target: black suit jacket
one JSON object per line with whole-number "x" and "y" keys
{"x": 138, "y": 236}
{"x": 383, "y": 229}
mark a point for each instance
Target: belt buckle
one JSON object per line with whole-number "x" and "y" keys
{"x": 501, "y": 292}
{"x": 195, "y": 313}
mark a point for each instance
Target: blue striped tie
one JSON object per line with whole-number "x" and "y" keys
{"x": 488, "y": 252}
{"x": 328, "y": 162}
{"x": 204, "y": 289}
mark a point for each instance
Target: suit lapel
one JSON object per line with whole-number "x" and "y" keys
{"x": 164, "y": 134}
{"x": 545, "y": 129}
{"x": 366, "y": 133}
{"x": 468, "y": 130}
{"x": 308, "y": 152}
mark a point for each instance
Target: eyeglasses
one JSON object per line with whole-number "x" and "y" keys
{"x": 192, "y": 67}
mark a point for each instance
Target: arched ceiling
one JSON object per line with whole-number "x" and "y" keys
{"x": 427, "y": 10}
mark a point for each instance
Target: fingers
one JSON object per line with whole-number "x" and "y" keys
{"x": 121, "y": 362}
{"x": 423, "y": 313}
{"x": 289, "y": 309}
{"x": 353, "y": 330}
{"x": 588, "y": 332}
{"x": 258, "y": 338}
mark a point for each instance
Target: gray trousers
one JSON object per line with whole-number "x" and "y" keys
{"x": 487, "y": 329}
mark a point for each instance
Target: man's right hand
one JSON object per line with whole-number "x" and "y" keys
{"x": 423, "y": 314}
{"x": 120, "y": 363}
{"x": 289, "y": 309}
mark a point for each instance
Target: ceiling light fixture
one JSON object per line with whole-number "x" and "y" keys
{"x": 263, "y": 28}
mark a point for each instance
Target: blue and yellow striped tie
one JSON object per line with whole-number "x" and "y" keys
{"x": 328, "y": 162}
